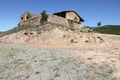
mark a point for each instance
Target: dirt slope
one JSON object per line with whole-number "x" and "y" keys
{"x": 59, "y": 55}
{"x": 57, "y": 36}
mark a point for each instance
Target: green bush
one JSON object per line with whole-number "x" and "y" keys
{"x": 44, "y": 17}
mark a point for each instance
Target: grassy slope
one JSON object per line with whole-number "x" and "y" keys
{"x": 16, "y": 29}
{"x": 30, "y": 27}
{"x": 109, "y": 29}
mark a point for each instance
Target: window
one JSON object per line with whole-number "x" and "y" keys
{"x": 21, "y": 18}
{"x": 27, "y": 17}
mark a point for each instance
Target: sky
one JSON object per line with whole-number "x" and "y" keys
{"x": 92, "y": 11}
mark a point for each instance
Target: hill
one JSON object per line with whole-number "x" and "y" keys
{"x": 55, "y": 52}
{"x": 50, "y": 34}
{"x": 108, "y": 29}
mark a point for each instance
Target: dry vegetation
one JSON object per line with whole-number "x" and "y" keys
{"x": 24, "y": 62}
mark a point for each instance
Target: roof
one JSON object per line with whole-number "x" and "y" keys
{"x": 81, "y": 19}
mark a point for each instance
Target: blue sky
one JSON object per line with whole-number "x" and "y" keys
{"x": 92, "y": 11}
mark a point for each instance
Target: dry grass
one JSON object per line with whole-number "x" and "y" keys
{"x": 70, "y": 63}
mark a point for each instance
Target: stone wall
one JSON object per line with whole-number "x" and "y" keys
{"x": 57, "y": 19}
{"x": 31, "y": 21}
{"x": 51, "y": 18}
{"x": 77, "y": 25}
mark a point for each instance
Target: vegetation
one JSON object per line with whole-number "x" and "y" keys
{"x": 44, "y": 17}
{"x": 16, "y": 29}
{"x": 30, "y": 27}
{"x": 108, "y": 29}
{"x": 75, "y": 19}
{"x": 57, "y": 25}
{"x": 99, "y": 24}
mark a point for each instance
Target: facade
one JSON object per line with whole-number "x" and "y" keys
{"x": 70, "y": 15}
{"x": 67, "y": 18}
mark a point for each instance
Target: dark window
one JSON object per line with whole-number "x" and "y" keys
{"x": 21, "y": 18}
{"x": 27, "y": 17}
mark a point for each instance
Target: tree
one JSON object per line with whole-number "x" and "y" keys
{"x": 99, "y": 24}
{"x": 44, "y": 17}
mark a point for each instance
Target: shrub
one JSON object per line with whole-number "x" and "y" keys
{"x": 44, "y": 17}
{"x": 75, "y": 19}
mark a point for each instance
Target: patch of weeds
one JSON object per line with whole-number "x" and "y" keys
{"x": 57, "y": 72}
{"x": 21, "y": 65}
{"x": 27, "y": 76}
{"x": 42, "y": 62}
{"x": 35, "y": 60}
{"x": 39, "y": 31}
{"x": 1, "y": 78}
{"x": 106, "y": 71}
{"x": 58, "y": 25}
{"x": 51, "y": 79}
{"x": 10, "y": 52}
{"x": 68, "y": 60}
{"x": 53, "y": 57}
{"x": 28, "y": 67}
{"x": 110, "y": 71}
{"x": 33, "y": 57}
{"x": 37, "y": 72}
{"x": 89, "y": 58}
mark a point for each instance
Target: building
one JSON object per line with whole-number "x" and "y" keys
{"x": 29, "y": 18}
{"x": 70, "y": 15}
{"x": 68, "y": 18}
